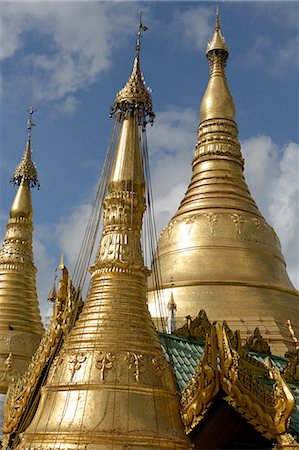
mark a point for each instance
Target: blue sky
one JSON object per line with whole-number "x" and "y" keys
{"x": 68, "y": 59}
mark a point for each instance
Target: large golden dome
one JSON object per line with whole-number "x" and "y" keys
{"x": 218, "y": 253}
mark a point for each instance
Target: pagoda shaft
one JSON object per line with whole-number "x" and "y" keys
{"x": 218, "y": 250}
{"x": 111, "y": 387}
{"x": 20, "y": 322}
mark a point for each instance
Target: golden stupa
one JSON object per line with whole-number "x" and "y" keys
{"x": 20, "y": 322}
{"x": 218, "y": 253}
{"x": 110, "y": 386}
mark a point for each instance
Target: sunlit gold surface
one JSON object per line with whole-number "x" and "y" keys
{"x": 24, "y": 392}
{"x": 218, "y": 249}
{"x": 111, "y": 386}
{"x": 20, "y": 322}
{"x": 134, "y": 91}
{"x": 266, "y": 406}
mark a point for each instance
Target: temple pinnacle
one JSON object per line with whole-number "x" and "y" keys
{"x": 20, "y": 321}
{"x": 217, "y": 42}
{"x": 135, "y": 94}
{"x": 26, "y": 170}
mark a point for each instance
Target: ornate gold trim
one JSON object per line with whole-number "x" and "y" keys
{"x": 22, "y": 391}
{"x": 203, "y": 386}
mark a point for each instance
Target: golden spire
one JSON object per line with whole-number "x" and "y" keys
{"x": 225, "y": 258}
{"x": 111, "y": 385}
{"x": 217, "y": 101}
{"x": 135, "y": 93}
{"x": 20, "y": 321}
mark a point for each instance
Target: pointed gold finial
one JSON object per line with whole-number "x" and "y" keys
{"x": 26, "y": 170}
{"x": 135, "y": 95}
{"x": 217, "y": 42}
{"x": 61, "y": 262}
{"x": 217, "y": 101}
{"x": 217, "y": 26}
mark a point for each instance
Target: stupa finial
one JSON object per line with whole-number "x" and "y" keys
{"x": 139, "y": 32}
{"x": 26, "y": 169}
{"x": 217, "y": 25}
{"x": 217, "y": 42}
{"x": 135, "y": 95}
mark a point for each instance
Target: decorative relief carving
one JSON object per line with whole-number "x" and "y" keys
{"x": 212, "y": 219}
{"x": 215, "y": 218}
{"x": 159, "y": 364}
{"x": 104, "y": 362}
{"x": 135, "y": 364}
{"x": 239, "y": 221}
{"x": 75, "y": 362}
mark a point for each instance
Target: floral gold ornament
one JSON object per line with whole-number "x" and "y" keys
{"x": 104, "y": 362}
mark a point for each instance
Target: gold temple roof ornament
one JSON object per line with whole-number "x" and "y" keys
{"x": 219, "y": 250}
{"x": 110, "y": 385}
{"x": 257, "y": 391}
{"x": 26, "y": 170}
{"x": 20, "y": 322}
{"x": 217, "y": 42}
{"x": 135, "y": 94}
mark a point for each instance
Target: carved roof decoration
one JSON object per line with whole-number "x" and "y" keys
{"x": 195, "y": 328}
{"x": 252, "y": 383}
{"x": 203, "y": 386}
{"x": 256, "y": 343}
{"x": 291, "y": 371}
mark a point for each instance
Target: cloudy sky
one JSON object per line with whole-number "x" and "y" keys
{"x": 68, "y": 59}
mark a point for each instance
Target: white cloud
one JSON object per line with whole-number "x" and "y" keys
{"x": 69, "y": 106}
{"x": 70, "y": 233}
{"x": 273, "y": 178}
{"x": 171, "y": 146}
{"x": 45, "y": 273}
{"x": 284, "y": 208}
{"x": 194, "y": 25}
{"x": 72, "y": 43}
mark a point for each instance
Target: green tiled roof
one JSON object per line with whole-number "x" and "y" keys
{"x": 185, "y": 354}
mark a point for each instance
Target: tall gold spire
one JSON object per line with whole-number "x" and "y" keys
{"x": 110, "y": 386}
{"x": 20, "y": 322}
{"x": 221, "y": 253}
{"x": 217, "y": 101}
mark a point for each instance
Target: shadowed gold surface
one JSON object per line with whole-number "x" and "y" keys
{"x": 20, "y": 322}
{"x": 110, "y": 386}
{"x": 218, "y": 249}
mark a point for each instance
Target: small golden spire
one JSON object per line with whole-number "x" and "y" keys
{"x": 217, "y": 42}
{"x": 135, "y": 94}
{"x": 61, "y": 262}
{"x": 20, "y": 321}
{"x": 217, "y": 101}
{"x": 26, "y": 169}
